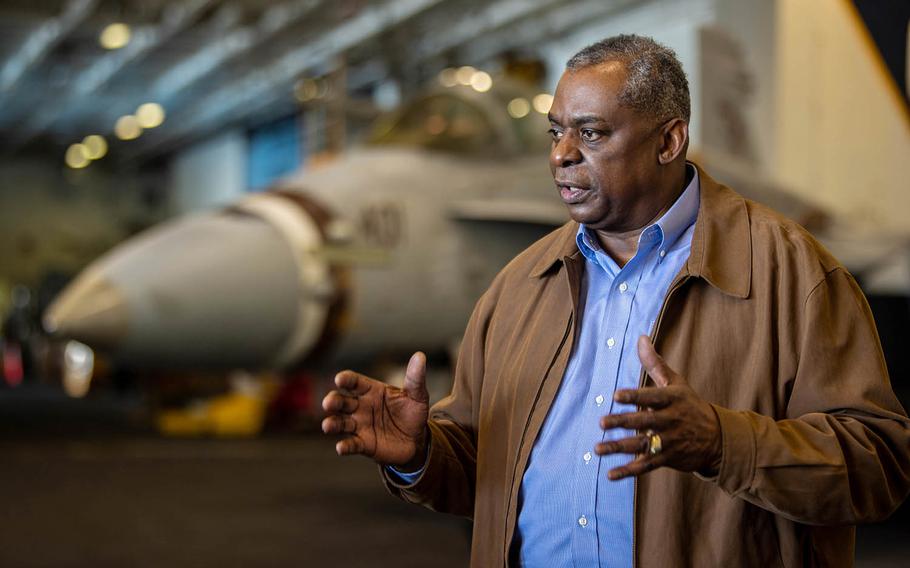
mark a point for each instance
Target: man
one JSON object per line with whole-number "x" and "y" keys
{"x": 767, "y": 430}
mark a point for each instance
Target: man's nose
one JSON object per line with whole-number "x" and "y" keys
{"x": 565, "y": 152}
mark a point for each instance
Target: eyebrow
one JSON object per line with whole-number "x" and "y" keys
{"x": 578, "y": 120}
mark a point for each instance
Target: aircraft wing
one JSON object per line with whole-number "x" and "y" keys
{"x": 519, "y": 211}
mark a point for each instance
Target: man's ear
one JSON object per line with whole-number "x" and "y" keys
{"x": 674, "y": 137}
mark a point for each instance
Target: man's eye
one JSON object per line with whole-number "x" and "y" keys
{"x": 554, "y": 134}
{"x": 589, "y": 135}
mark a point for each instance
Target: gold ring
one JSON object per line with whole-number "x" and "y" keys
{"x": 654, "y": 444}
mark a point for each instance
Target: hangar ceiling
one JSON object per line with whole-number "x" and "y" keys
{"x": 218, "y": 63}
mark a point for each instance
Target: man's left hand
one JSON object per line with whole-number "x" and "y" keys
{"x": 687, "y": 426}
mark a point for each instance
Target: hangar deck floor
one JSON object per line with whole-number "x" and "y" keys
{"x": 144, "y": 502}
{"x": 80, "y": 486}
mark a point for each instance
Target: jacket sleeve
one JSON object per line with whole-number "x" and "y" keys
{"x": 448, "y": 479}
{"x": 842, "y": 454}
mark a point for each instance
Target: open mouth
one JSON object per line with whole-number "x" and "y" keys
{"x": 572, "y": 193}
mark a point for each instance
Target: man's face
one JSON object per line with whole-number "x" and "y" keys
{"x": 604, "y": 156}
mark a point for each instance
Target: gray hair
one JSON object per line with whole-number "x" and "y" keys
{"x": 656, "y": 84}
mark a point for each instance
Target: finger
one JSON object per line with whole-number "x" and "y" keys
{"x": 633, "y": 420}
{"x": 339, "y": 424}
{"x": 349, "y": 446}
{"x": 636, "y": 467}
{"x": 355, "y": 383}
{"x": 335, "y": 402}
{"x": 650, "y": 397}
{"x": 415, "y": 378}
{"x": 633, "y": 445}
{"x": 654, "y": 364}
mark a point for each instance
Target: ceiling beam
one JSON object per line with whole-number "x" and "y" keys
{"x": 245, "y": 91}
{"x": 213, "y": 55}
{"x": 242, "y": 94}
{"x": 177, "y": 17}
{"x": 557, "y": 23}
{"x": 40, "y": 42}
{"x": 472, "y": 26}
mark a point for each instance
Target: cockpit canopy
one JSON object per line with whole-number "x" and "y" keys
{"x": 462, "y": 121}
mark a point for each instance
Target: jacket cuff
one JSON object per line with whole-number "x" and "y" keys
{"x": 403, "y": 479}
{"x": 435, "y": 459}
{"x": 737, "y": 466}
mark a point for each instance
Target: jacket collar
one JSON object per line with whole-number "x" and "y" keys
{"x": 561, "y": 248}
{"x": 722, "y": 241}
{"x": 721, "y": 251}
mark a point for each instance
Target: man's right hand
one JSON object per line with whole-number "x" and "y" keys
{"x": 379, "y": 421}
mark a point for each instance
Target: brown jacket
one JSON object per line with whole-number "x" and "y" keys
{"x": 764, "y": 324}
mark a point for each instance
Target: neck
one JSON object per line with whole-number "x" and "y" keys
{"x": 622, "y": 246}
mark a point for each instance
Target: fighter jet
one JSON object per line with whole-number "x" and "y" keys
{"x": 384, "y": 250}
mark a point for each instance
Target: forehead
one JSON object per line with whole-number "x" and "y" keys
{"x": 593, "y": 89}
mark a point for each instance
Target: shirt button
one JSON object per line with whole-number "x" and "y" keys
{"x": 663, "y": 253}
{"x": 611, "y": 342}
{"x": 587, "y": 457}
{"x": 582, "y": 521}
{"x": 623, "y": 287}
{"x": 599, "y": 400}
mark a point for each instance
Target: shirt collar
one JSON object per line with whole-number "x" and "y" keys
{"x": 664, "y": 232}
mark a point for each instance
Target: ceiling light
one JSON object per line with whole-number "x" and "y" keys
{"x": 127, "y": 128}
{"x": 76, "y": 156}
{"x": 306, "y": 90}
{"x": 542, "y": 103}
{"x": 114, "y": 36}
{"x": 464, "y": 74}
{"x": 519, "y": 107}
{"x": 150, "y": 115}
{"x": 96, "y": 146}
{"x": 447, "y": 77}
{"x": 481, "y": 81}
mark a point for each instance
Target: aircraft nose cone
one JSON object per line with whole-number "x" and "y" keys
{"x": 214, "y": 291}
{"x": 91, "y": 310}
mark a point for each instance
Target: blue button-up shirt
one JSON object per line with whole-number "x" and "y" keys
{"x": 570, "y": 513}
